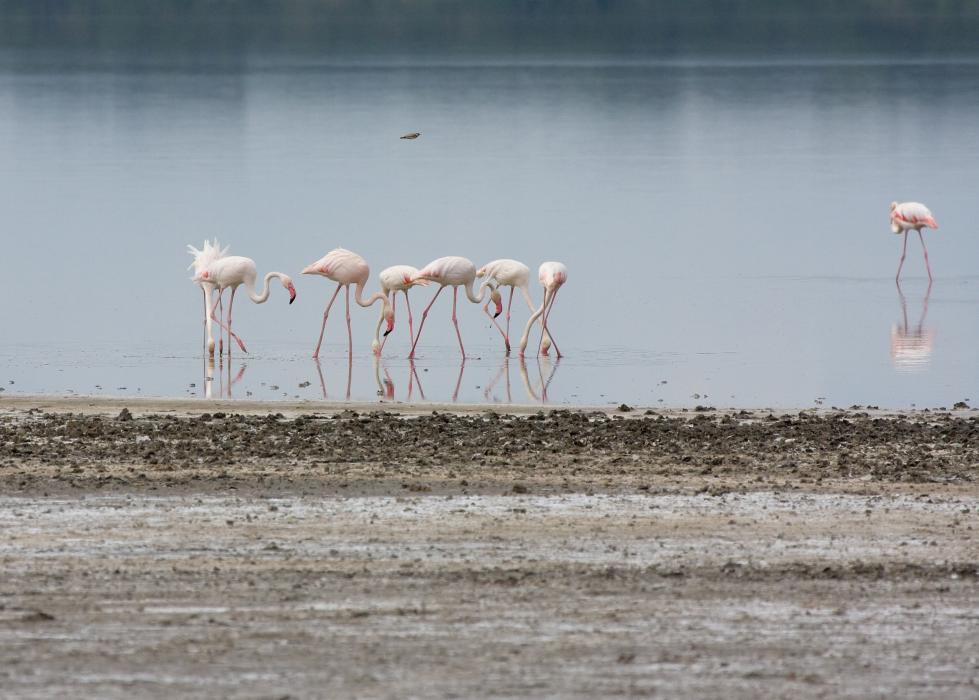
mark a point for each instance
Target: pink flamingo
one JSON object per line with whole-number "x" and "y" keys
{"x": 512, "y": 274}
{"x": 394, "y": 279}
{"x": 552, "y": 275}
{"x": 232, "y": 271}
{"x": 451, "y": 271}
{"x": 345, "y": 268}
{"x": 907, "y": 216}
{"x": 202, "y": 259}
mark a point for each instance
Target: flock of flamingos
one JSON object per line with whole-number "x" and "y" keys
{"x": 216, "y": 271}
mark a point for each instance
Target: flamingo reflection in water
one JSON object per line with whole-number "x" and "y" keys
{"x": 209, "y": 378}
{"x": 350, "y": 374}
{"x": 538, "y": 393}
{"x": 386, "y": 389}
{"x": 911, "y": 346}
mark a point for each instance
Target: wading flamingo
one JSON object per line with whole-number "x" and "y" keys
{"x": 512, "y": 274}
{"x": 232, "y": 271}
{"x": 345, "y": 268}
{"x": 394, "y": 279}
{"x": 451, "y": 271}
{"x": 907, "y": 216}
{"x": 552, "y": 275}
{"x": 210, "y": 252}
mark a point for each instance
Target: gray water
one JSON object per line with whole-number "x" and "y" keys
{"x": 725, "y": 224}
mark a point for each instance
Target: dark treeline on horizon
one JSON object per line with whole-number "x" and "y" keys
{"x": 507, "y": 27}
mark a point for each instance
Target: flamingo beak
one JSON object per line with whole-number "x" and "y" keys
{"x": 390, "y": 327}
{"x": 292, "y": 293}
{"x": 499, "y": 309}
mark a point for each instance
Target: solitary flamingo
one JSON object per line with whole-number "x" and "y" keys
{"x": 232, "y": 271}
{"x": 451, "y": 271}
{"x": 512, "y": 274}
{"x": 202, "y": 259}
{"x": 394, "y": 279}
{"x": 345, "y": 268}
{"x": 552, "y": 275}
{"x": 907, "y": 216}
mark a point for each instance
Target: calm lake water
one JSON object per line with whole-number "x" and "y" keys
{"x": 725, "y": 224}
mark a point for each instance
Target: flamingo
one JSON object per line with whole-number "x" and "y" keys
{"x": 512, "y": 274}
{"x": 551, "y": 275}
{"x": 202, "y": 259}
{"x": 451, "y": 271}
{"x": 345, "y": 268}
{"x": 232, "y": 271}
{"x": 907, "y": 216}
{"x": 394, "y": 279}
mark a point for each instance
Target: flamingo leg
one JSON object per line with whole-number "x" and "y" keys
{"x": 506, "y": 336}
{"x": 226, "y": 328}
{"x": 350, "y": 335}
{"x": 421, "y": 325}
{"x": 455, "y": 322}
{"x": 326, "y": 313}
{"x": 924, "y": 248}
{"x": 208, "y": 339}
{"x": 547, "y": 312}
{"x": 220, "y": 304}
{"x": 231, "y": 303}
{"x": 904, "y": 251}
{"x": 411, "y": 332}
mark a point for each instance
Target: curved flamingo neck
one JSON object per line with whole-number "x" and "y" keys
{"x": 471, "y": 296}
{"x": 261, "y": 298}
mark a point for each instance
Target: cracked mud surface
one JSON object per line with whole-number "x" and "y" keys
{"x": 477, "y": 555}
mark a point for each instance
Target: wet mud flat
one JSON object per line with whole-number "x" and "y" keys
{"x": 477, "y": 554}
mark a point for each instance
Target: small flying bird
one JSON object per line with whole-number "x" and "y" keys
{"x": 412, "y": 136}
{"x": 907, "y": 216}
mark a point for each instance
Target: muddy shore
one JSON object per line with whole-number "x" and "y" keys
{"x": 273, "y": 551}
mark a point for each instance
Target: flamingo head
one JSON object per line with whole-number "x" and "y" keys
{"x": 388, "y": 317}
{"x": 287, "y": 283}
{"x": 498, "y": 300}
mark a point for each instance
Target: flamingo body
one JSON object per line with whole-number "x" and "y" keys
{"x": 345, "y": 268}
{"x": 394, "y": 279}
{"x": 451, "y": 271}
{"x": 911, "y": 216}
{"x": 515, "y": 275}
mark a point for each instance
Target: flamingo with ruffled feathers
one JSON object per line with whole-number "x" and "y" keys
{"x": 909, "y": 216}
{"x": 512, "y": 274}
{"x": 450, "y": 271}
{"x": 394, "y": 279}
{"x": 208, "y": 253}
{"x": 551, "y": 275}
{"x": 347, "y": 268}
{"x": 231, "y": 272}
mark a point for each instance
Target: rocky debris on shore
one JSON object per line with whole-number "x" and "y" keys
{"x": 565, "y": 449}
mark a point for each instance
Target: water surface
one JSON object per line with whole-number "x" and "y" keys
{"x": 724, "y": 223}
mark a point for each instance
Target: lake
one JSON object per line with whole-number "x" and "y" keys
{"x": 724, "y": 223}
